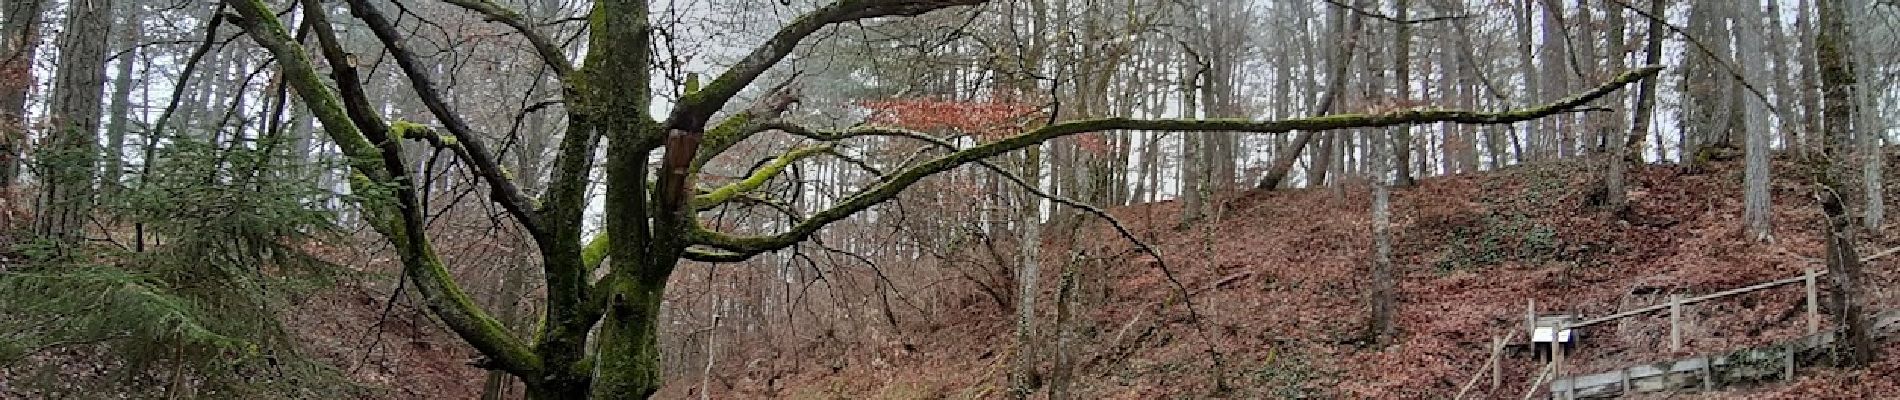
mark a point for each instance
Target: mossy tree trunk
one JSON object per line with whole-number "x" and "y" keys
{"x": 1843, "y": 263}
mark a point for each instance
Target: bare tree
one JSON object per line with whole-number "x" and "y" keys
{"x": 120, "y": 115}
{"x": 1626, "y": 151}
{"x": 1340, "y": 61}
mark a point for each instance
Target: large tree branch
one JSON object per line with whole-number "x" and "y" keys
{"x": 503, "y": 189}
{"x": 549, "y": 53}
{"x": 739, "y": 127}
{"x": 896, "y": 183}
{"x": 757, "y": 179}
{"x": 696, "y": 108}
{"x": 398, "y": 219}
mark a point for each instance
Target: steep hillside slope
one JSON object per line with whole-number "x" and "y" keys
{"x": 1278, "y": 283}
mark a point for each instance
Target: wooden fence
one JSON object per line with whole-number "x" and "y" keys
{"x": 1555, "y": 369}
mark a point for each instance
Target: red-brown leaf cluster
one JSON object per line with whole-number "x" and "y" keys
{"x": 987, "y": 119}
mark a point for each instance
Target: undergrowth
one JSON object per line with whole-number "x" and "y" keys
{"x": 196, "y": 314}
{"x": 1510, "y": 231}
{"x": 1285, "y": 376}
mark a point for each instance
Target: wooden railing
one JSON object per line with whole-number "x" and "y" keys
{"x": 1809, "y": 279}
{"x": 1677, "y": 301}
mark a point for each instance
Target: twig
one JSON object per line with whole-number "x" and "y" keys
{"x": 376, "y": 335}
{"x": 1388, "y": 18}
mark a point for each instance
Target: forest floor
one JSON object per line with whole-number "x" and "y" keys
{"x": 1278, "y": 284}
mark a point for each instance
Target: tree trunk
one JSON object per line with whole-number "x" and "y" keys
{"x": 1837, "y": 83}
{"x": 627, "y": 352}
{"x": 1868, "y": 121}
{"x": 1402, "y": 88}
{"x": 1626, "y": 151}
{"x": 1196, "y": 174}
{"x": 1555, "y": 67}
{"x": 1062, "y": 378}
{"x": 72, "y": 157}
{"x": 1341, "y": 62}
{"x": 19, "y": 39}
{"x": 1384, "y": 286}
{"x": 1780, "y": 64}
{"x": 1527, "y": 70}
{"x": 1023, "y": 377}
{"x": 1757, "y": 213}
{"x": 120, "y": 114}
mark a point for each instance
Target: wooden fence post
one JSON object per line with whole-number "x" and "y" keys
{"x": 1497, "y": 363}
{"x": 1557, "y": 348}
{"x": 1814, "y": 304}
{"x": 1624, "y": 378}
{"x": 1530, "y": 323}
{"x": 1708, "y": 374}
{"x": 1787, "y": 374}
{"x": 1557, "y": 352}
{"x": 1675, "y": 322}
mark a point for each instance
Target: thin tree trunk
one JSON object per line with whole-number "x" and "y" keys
{"x": 1555, "y": 68}
{"x": 1023, "y": 379}
{"x": 19, "y": 39}
{"x": 120, "y": 114}
{"x": 1384, "y": 285}
{"x": 1780, "y": 65}
{"x": 1837, "y": 83}
{"x": 1811, "y": 109}
{"x": 1062, "y": 379}
{"x": 1868, "y": 121}
{"x": 1341, "y": 61}
{"x": 1626, "y": 152}
{"x": 1196, "y": 169}
{"x": 1527, "y": 69}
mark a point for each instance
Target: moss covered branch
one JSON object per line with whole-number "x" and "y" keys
{"x": 471, "y": 148}
{"x": 758, "y": 178}
{"x": 897, "y": 182}
{"x": 397, "y": 219}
